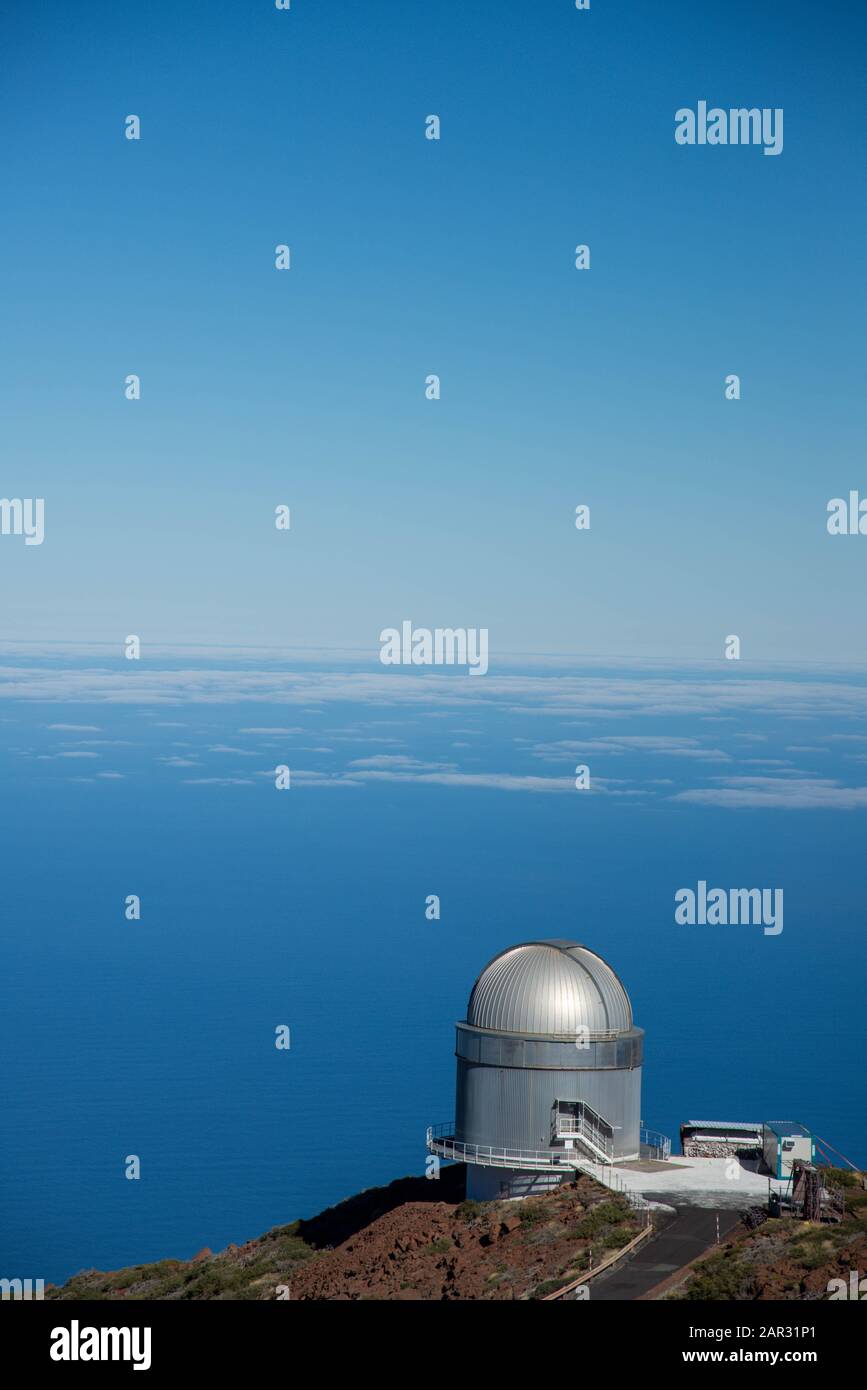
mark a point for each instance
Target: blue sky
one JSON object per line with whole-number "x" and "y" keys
{"x": 411, "y": 257}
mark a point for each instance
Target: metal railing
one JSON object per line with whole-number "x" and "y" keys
{"x": 653, "y": 1139}
{"x": 593, "y": 1273}
{"x": 612, "y": 1179}
{"x": 582, "y": 1037}
{"x": 441, "y": 1140}
{"x": 583, "y": 1128}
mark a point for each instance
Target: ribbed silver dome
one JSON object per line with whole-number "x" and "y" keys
{"x": 549, "y": 988}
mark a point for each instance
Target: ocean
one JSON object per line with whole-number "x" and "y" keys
{"x": 306, "y": 908}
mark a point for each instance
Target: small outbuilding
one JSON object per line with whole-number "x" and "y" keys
{"x": 720, "y": 1138}
{"x": 784, "y": 1142}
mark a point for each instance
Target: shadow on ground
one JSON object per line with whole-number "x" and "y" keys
{"x": 336, "y": 1224}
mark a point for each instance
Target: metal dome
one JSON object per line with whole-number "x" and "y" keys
{"x": 549, "y": 988}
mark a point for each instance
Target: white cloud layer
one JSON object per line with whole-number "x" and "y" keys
{"x": 801, "y": 794}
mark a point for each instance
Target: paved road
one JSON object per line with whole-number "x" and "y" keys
{"x": 685, "y": 1237}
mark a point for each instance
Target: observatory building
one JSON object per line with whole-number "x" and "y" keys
{"x": 548, "y": 1072}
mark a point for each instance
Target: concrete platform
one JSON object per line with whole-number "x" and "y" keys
{"x": 646, "y": 1165}
{"x": 696, "y": 1182}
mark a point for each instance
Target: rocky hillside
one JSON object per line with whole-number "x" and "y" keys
{"x": 421, "y": 1240}
{"x": 395, "y": 1242}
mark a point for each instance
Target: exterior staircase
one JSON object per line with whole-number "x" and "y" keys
{"x": 576, "y": 1123}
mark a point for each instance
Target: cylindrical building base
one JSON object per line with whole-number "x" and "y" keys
{"x": 494, "y": 1184}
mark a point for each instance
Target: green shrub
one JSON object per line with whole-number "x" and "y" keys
{"x": 617, "y": 1236}
{"x": 843, "y": 1177}
{"x": 438, "y": 1247}
{"x": 722, "y": 1278}
{"x": 548, "y": 1286}
{"x": 599, "y": 1219}
{"x": 216, "y": 1279}
{"x": 531, "y": 1213}
{"x": 468, "y": 1211}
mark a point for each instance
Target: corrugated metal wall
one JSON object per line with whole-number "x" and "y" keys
{"x": 510, "y": 1107}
